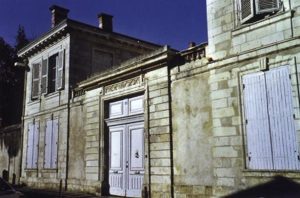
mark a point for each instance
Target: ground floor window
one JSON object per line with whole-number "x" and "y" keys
{"x": 32, "y": 145}
{"x": 270, "y": 130}
{"x": 51, "y": 139}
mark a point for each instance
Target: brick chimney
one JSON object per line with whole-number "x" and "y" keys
{"x": 58, "y": 14}
{"x": 105, "y": 22}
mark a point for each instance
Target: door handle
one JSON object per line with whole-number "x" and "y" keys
{"x": 127, "y": 165}
{"x": 137, "y": 172}
{"x": 115, "y": 171}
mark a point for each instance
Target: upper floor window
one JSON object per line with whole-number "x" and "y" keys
{"x": 270, "y": 126}
{"x": 47, "y": 76}
{"x": 252, "y": 10}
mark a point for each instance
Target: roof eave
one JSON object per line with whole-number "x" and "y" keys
{"x": 57, "y": 30}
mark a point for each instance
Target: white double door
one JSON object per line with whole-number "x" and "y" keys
{"x": 126, "y": 161}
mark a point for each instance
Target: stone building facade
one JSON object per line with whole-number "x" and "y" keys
{"x": 69, "y": 53}
{"x": 237, "y": 112}
{"x": 209, "y": 121}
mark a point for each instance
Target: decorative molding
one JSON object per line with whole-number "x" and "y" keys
{"x": 136, "y": 81}
{"x": 264, "y": 64}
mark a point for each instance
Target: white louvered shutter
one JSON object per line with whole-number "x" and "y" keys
{"x": 54, "y": 144}
{"x": 30, "y": 136}
{"x": 35, "y": 145}
{"x": 44, "y": 80}
{"x": 283, "y": 133}
{"x": 48, "y": 138}
{"x": 35, "y": 88}
{"x": 246, "y": 10}
{"x": 257, "y": 125}
{"x": 60, "y": 71}
{"x": 263, "y": 6}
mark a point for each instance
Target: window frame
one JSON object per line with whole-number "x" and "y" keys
{"x": 270, "y": 132}
{"x": 59, "y": 71}
{"x": 256, "y": 13}
{"x": 35, "y": 146}
{"x": 52, "y": 165}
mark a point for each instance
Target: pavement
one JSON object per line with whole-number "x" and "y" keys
{"x": 38, "y": 193}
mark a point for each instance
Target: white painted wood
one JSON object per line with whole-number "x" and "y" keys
{"x": 126, "y": 150}
{"x": 30, "y": 137}
{"x": 283, "y": 133}
{"x": 60, "y": 70}
{"x": 117, "y": 109}
{"x": 136, "y": 105}
{"x": 54, "y": 143}
{"x": 265, "y": 6}
{"x": 257, "y": 123}
{"x": 136, "y": 160}
{"x": 35, "y": 88}
{"x": 117, "y": 161}
{"x": 48, "y": 139}
{"x": 35, "y": 148}
{"x": 246, "y": 10}
{"x": 44, "y": 79}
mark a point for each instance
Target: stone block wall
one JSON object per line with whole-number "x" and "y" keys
{"x": 160, "y": 155}
{"x": 192, "y": 131}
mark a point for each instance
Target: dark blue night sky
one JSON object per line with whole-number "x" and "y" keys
{"x": 172, "y": 22}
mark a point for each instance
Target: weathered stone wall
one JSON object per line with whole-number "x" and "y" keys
{"x": 82, "y": 54}
{"x": 159, "y": 130}
{"x": 84, "y": 164}
{"x": 235, "y": 50}
{"x": 38, "y": 111}
{"x": 10, "y": 153}
{"x": 227, "y": 36}
{"x": 192, "y": 133}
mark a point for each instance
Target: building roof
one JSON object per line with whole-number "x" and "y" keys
{"x": 65, "y": 27}
{"x": 134, "y": 66}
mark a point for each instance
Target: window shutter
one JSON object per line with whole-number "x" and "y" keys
{"x": 30, "y": 146}
{"x": 283, "y": 133}
{"x": 44, "y": 80}
{"x": 263, "y": 6}
{"x": 257, "y": 124}
{"x": 54, "y": 144}
{"x": 246, "y": 10}
{"x": 35, "y": 144}
{"x": 35, "y": 89}
{"x": 60, "y": 71}
{"x": 48, "y": 137}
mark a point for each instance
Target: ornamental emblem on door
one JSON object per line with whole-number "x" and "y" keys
{"x": 126, "y": 147}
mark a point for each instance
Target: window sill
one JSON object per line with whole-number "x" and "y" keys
{"x": 49, "y": 170}
{"x": 270, "y": 173}
{"x": 262, "y": 23}
{"x": 31, "y": 169}
{"x": 33, "y": 102}
{"x": 51, "y": 95}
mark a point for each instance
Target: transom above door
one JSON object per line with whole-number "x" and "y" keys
{"x": 126, "y": 107}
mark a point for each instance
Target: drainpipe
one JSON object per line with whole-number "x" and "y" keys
{"x": 171, "y": 129}
{"x": 26, "y": 69}
{"x": 68, "y": 138}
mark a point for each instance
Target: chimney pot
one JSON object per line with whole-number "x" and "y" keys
{"x": 192, "y": 44}
{"x": 58, "y": 14}
{"x": 105, "y": 22}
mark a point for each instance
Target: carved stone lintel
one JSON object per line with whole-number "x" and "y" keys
{"x": 123, "y": 85}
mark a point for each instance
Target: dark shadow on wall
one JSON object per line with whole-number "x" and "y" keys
{"x": 10, "y": 138}
{"x": 278, "y": 187}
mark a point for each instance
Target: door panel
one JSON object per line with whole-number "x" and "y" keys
{"x": 136, "y": 163}
{"x": 116, "y": 169}
{"x": 126, "y": 173}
